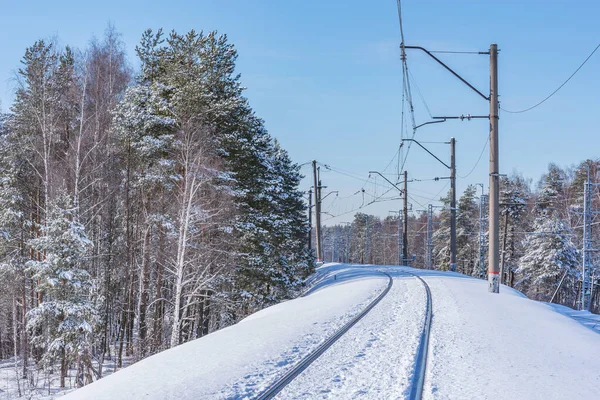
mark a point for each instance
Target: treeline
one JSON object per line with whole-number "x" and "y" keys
{"x": 541, "y": 238}
{"x": 138, "y": 210}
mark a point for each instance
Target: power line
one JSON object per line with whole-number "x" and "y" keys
{"x": 359, "y": 208}
{"x": 352, "y": 175}
{"x": 479, "y": 159}
{"x": 406, "y": 86}
{"x": 420, "y": 94}
{"x": 413, "y": 199}
{"x": 560, "y": 87}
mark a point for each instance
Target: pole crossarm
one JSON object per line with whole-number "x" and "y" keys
{"x": 423, "y": 147}
{"x": 390, "y": 182}
{"x": 439, "y": 120}
{"x": 324, "y": 197}
{"x": 448, "y": 68}
{"x": 468, "y": 117}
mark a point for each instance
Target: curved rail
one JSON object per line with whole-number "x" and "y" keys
{"x": 316, "y": 353}
{"x": 416, "y": 387}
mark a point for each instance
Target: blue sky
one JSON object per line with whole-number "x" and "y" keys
{"x": 327, "y": 78}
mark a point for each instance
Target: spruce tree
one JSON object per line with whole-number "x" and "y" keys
{"x": 61, "y": 326}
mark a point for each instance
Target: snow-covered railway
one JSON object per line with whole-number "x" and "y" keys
{"x": 543, "y": 354}
{"x": 282, "y": 382}
{"x": 391, "y": 339}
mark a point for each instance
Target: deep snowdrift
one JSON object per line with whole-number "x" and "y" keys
{"x": 483, "y": 346}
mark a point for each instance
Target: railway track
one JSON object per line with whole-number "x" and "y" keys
{"x": 316, "y": 353}
{"x": 416, "y": 387}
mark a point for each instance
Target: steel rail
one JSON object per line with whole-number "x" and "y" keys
{"x": 418, "y": 379}
{"x": 289, "y": 376}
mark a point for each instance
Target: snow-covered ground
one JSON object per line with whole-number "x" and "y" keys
{"x": 43, "y": 385}
{"x": 486, "y": 346}
{"x": 241, "y": 360}
{"x": 482, "y": 346}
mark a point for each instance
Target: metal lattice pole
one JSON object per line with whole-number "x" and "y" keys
{"x": 482, "y": 232}
{"x": 587, "y": 245}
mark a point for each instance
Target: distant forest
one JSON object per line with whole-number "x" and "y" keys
{"x": 541, "y": 235}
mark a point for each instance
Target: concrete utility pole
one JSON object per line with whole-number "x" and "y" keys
{"x": 367, "y": 240}
{"x": 405, "y": 233}
{"x": 309, "y": 220}
{"x": 429, "y": 259}
{"x": 494, "y": 215}
{"x": 399, "y": 237}
{"x": 452, "y": 205}
{"x": 317, "y": 213}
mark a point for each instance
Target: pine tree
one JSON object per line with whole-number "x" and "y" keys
{"x": 552, "y": 192}
{"x": 441, "y": 237}
{"x": 550, "y": 255}
{"x": 358, "y": 244}
{"x": 466, "y": 230}
{"x": 514, "y": 197}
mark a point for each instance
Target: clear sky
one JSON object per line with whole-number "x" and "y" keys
{"x": 326, "y": 77}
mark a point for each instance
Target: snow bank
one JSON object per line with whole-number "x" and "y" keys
{"x": 239, "y": 361}
{"x": 487, "y": 346}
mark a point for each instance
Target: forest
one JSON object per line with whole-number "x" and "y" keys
{"x": 138, "y": 209}
{"x": 541, "y": 235}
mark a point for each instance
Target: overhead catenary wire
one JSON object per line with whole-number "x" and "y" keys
{"x": 420, "y": 94}
{"x": 353, "y": 176}
{"x": 557, "y": 89}
{"x": 478, "y": 160}
{"x": 406, "y": 87}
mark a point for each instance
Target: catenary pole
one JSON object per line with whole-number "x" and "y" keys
{"x": 399, "y": 237}
{"x": 317, "y": 212}
{"x": 310, "y": 220}
{"x": 405, "y": 232}
{"x": 452, "y": 205}
{"x": 429, "y": 236}
{"x": 367, "y": 241}
{"x": 494, "y": 217}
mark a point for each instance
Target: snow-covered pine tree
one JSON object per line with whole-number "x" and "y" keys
{"x": 549, "y": 255}
{"x": 441, "y": 237}
{"x": 146, "y": 129}
{"x": 466, "y": 230}
{"x": 579, "y": 179}
{"x": 60, "y": 327}
{"x": 551, "y": 199}
{"x": 515, "y": 195}
{"x": 289, "y": 220}
{"x": 358, "y": 240}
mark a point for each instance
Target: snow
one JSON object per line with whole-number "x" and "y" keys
{"x": 505, "y": 346}
{"x": 239, "y": 361}
{"x": 482, "y": 345}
